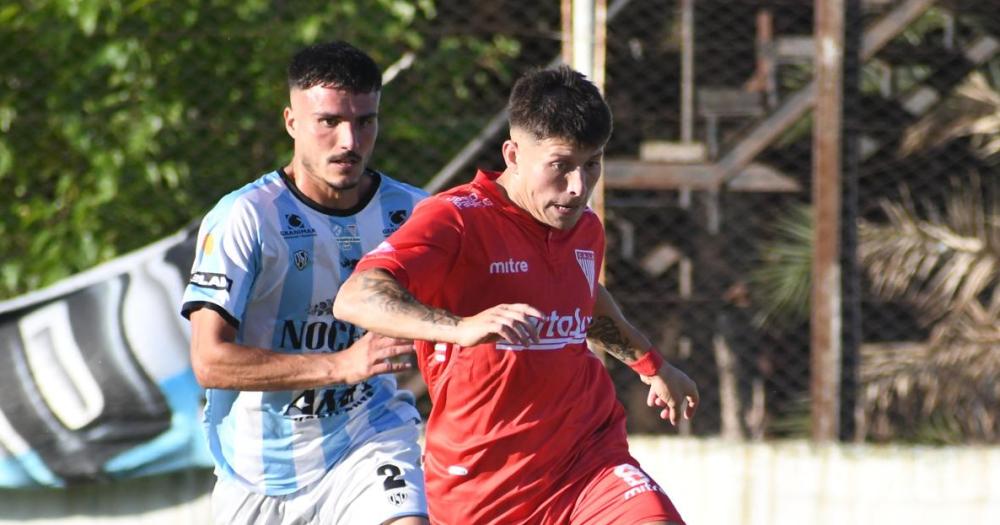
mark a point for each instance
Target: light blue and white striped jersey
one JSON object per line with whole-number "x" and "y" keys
{"x": 270, "y": 261}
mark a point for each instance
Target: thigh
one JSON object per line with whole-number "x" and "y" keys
{"x": 379, "y": 481}
{"x": 623, "y": 495}
{"x": 233, "y": 503}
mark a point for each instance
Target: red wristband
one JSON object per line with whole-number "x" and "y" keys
{"x": 649, "y": 364}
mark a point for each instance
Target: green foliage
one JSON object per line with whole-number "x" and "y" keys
{"x": 123, "y": 120}
{"x": 782, "y": 280}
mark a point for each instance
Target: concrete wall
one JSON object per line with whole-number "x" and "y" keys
{"x": 712, "y": 482}
{"x": 796, "y": 483}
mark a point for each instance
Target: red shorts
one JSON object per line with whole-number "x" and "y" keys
{"x": 619, "y": 495}
{"x": 613, "y": 495}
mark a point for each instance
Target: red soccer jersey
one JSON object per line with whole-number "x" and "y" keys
{"x": 511, "y": 427}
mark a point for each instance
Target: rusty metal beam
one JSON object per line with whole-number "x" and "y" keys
{"x": 769, "y": 129}
{"x": 826, "y": 322}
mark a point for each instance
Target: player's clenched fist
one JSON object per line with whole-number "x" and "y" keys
{"x": 515, "y": 323}
{"x": 372, "y": 355}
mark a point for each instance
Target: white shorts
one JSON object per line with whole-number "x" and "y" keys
{"x": 378, "y": 481}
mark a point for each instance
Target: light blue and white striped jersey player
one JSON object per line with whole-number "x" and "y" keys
{"x": 270, "y": 261}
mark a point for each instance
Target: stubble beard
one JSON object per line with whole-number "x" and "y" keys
{"x": 349, "y": 182}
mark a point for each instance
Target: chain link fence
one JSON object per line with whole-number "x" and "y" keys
{"x": 720, "y": 274}
{"x": 123, "y": 121}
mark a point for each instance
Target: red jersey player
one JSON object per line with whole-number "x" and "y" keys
{"x": 497, "y": 282}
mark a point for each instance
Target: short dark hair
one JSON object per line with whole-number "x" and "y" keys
{"x": 560, "y": 103}
{"x": 334, "y": 64}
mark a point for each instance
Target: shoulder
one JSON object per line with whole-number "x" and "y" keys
{"x": 589, "y": 228}
{"x": 466, "y": 198}
{"x": 590, "y": 220}
{"x": 245, "y": 203}
{"x": 391, "y": 185}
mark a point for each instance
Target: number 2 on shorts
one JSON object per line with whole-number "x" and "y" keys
{"x": 392, "y": 476}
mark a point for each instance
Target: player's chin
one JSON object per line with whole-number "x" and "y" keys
{"x": 343, "y": 179}
{"x": 565, "y": 221}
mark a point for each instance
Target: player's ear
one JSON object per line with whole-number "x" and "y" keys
{"x": 289, "y": 121}
{"x": 509, "y": 152}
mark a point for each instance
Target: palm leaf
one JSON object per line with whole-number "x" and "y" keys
{"x": 973, "y": 110}
{"x": 781, "y": 280}
{"x": 940, "y": 266}
{"x": 946, "y": 263}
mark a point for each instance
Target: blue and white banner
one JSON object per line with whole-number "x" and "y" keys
{"x": 95, "y": 378}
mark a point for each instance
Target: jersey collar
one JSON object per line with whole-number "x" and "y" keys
{"x": 362, "y": 202}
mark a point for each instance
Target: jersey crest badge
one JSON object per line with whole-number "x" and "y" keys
{"x": 301, "y": 259}
{"x": 585, "y": 258}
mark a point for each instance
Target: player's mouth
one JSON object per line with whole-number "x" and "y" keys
{"x": 347, "y": 160}
{"x": 566, "y": 209}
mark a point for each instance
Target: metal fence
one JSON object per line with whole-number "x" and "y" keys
{"x": 709, "y": 211}
{"x": 708, "y": 174}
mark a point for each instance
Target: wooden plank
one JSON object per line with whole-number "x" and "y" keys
{"x": 687, "y": 70}
{"x": 673, "y": 152}
{"x": 794, "y": 48}
{"x": 729, "y": 102}
{"x": 760, "y": 178}
{"x": 653, "y": 175}
{"x": 636, "y": 174}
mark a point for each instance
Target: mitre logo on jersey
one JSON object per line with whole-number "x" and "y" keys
{"x": 508, "y": 266}
{"x": 585, "y": 258}
{"x": 472, "y": 200}
{"x": 346, "y": 235}
{"x": 217, "y": 281}
{"x": 637, "y": 481}
{"x": 296, "y": 227}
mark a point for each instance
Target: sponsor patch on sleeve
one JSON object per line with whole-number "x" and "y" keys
{"x": 216, "y": 281}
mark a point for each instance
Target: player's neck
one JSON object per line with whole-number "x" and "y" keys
{"x": 505, "y": 185}
{"x": 325, "y": 195}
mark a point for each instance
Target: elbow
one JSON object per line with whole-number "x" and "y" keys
{"x": 345, "y": 305}
{"x": 205, "y": 371}
{"x": 204, "y": 375}
{"x": 342, "y": 311}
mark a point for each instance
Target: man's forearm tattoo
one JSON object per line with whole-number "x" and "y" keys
{"x": 388, "y": 296}
{"x": 607, "y": 337}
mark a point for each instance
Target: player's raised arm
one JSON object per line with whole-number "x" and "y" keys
{"x": 374, "y": 300}
{"x": 669, "y": 387}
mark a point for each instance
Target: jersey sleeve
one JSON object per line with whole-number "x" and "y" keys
{"x": 421, "y": 253}
{"x": 226, "y": 261}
